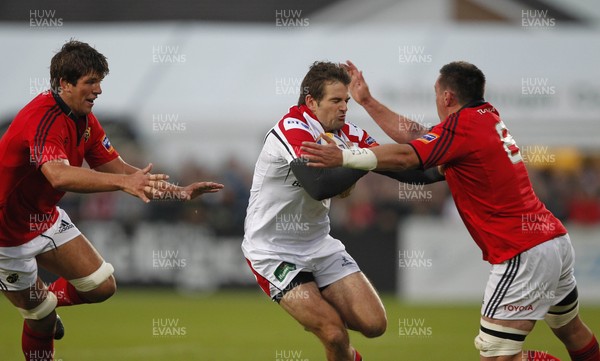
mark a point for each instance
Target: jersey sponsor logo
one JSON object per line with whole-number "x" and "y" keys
{"x": 106, "y": 143}
{"x": 428, "y": 138}
{"x": 518, "y": 308}
{"x": 283, "y": 269}
{"x": 290, "y": 123}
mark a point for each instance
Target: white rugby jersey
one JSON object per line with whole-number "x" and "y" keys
{"x": 281, "y": 217}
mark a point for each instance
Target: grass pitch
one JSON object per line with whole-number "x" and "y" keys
{"x": 245, "y": 326}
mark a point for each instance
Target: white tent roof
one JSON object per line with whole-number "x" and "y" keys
{"x": 229, "y": 84}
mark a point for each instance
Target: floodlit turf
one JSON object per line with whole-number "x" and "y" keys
{"x": 234, "y": 326}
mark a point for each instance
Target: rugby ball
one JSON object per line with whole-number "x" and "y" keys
{"x": 339, "y": 141}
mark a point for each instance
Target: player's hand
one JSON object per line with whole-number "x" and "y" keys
{"x": 195, "y": 189}
{"x": 172, "y": 191}
{"x": 359, "y": 90}
{"x": 143, "y": 184}
{"x": 322, "y": 156}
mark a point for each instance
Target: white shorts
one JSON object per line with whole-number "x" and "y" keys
{"x": 275, "y": 274}
{"x": 18, "y": 267}
{"x": 524, "y": 287}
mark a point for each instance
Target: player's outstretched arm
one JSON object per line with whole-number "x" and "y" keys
{"x": 383, "y": 157}
{"x": 65, "y": 177}
{"x": 119, "y": 166}
{"x": 396, "y": 126}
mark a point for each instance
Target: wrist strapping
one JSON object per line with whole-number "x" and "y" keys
{"x": 359, "y": 158}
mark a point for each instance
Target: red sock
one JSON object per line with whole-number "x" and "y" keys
{"x": 37, "y": 346}
{"x": 65, "y": 293}
{"x": 357, "y": 356}
{"x": 540, "y": 356}
{"x": 588, "y": 353}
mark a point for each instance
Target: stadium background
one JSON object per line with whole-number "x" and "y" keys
{"x": 193, "y": 88}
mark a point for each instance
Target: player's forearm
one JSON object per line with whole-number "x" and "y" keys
{"x": 127, "y": 168}
{"x": 383, "y": 157}
{"x": 117, "y": 166}
{"x": 322, "y": 183}
{"x": 414, "y": 176}
{"x": 80, "y": 180}
{"x": 396, "y": 126}
{"x": 396, "y": 156}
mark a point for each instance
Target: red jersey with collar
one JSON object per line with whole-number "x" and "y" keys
{"x": 489, "y": 182}
{"x": 44, "y": 130}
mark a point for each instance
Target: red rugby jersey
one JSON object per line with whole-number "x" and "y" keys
{"x": 44, "y": 130}
{"x": 489, "y": 182}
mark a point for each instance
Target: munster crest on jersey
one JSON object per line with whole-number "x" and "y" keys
{"x": 86, "y": 134}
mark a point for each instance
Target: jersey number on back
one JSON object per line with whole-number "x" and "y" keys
{"x": 510, "y": 146}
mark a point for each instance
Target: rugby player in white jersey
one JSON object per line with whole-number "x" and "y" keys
{"x": 287, "y": 243}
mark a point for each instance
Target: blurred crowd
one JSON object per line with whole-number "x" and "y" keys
{"x": 569, "y": 186}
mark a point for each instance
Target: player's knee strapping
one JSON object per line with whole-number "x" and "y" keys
{"x": 496, "y": 340}
{"x": 42, "y": 310}
{"x": 93, "y": 281}
{"x": 565, "y": 311}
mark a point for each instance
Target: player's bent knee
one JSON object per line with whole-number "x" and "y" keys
{"x": 98, "y": 286}
{"x": 375, "y": 329}
{"x": 105, "y": 291}
{"x": 93, "y": 281}
{"x": 495, "y": 340}
{"x": 42, "y": 310}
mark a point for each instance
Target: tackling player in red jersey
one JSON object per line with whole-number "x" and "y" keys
{"x": 532, "y": 276}
{"x": 41, "y": 155}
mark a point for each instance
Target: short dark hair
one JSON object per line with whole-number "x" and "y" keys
{"x": 464, "y": 79}
{"x": 74, "y": 60}
{"x": 320, "y": 73}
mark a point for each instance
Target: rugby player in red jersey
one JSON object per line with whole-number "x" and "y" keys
{"x": 532, "y": 276}
{"x": 41, "y": 155}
